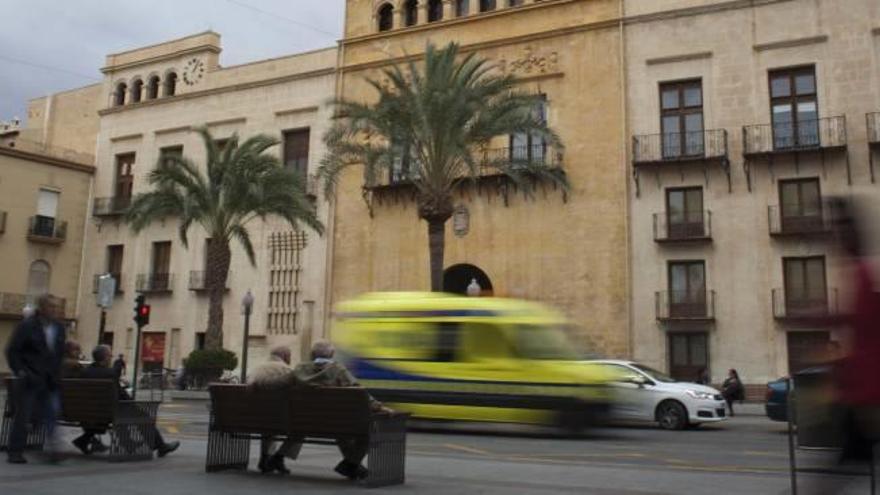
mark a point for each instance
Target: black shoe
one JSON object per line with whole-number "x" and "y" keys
{"x": 347, "y": 469}
{"x": 263, "y": 465}
{"x": 16, "y": 458}
{"x": 83, "y": 444}
{"x": 98, "y": 446}
{"x": 167, "y": 448}
{"x": 276, "y": 463}
{"x": 361, "y": 473}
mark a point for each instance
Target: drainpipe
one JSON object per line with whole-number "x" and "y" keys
{"x": 624, "y": 127}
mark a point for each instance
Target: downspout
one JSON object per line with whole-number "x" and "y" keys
{"x": 624, "y": 127}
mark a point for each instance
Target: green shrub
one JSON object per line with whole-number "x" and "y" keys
{"x": 207, "y": 361}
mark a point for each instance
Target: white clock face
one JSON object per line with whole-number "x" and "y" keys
{"x": 193, "y": 71}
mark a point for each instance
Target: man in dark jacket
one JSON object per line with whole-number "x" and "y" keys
{"x": 101, "y": 369}
{"x": 34, "y": 354}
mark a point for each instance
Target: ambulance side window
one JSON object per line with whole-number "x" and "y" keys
{"x": 447, "y": 342}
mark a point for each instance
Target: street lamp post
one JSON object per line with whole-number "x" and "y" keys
{"x": 247, "y": 303}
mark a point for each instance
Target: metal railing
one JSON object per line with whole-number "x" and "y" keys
{"x": 786, "y": 306}
{"x": 685, "y": 305}
{"x": 96, "y": 279}
{"x": 873, "y": 127}
{"x": 198, "y": 280}
{"x": 49, "y": 229}
{"x": 154, "y": 282}
{"x": 828, "y": 132}
{"x": 698, "y": 226}
{"x": 780, "y": 225}
{"x": 114, "y": 205}
{"x": 677, "y": 146}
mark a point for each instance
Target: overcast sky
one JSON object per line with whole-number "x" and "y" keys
{"x": 48, "y": 46}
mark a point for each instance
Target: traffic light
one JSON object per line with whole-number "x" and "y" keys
{"x": 141, "y": 311}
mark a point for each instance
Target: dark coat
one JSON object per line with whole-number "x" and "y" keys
{"x": 95, "y": 371}
{"x": 31, "y": 358}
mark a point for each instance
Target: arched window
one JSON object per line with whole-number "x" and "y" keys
{"x": 435, "y": 10}
{"x": 137, "y": 88}
{"x": 38, "y": 278}
{"x": 487, "y": 5}
{"x": 170, "y": 83}
{"x": 119, "y": 95}
{"x": 153, "y": 88}
{"x": 410, "y": 12}
{"x": 386, "y": 17}
{"x": 462, "y": 8}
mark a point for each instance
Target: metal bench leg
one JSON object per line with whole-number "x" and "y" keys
{"x": 36, "y": 433}
{"x": 386, "y": 459}
{"x": 227, "y": 451}
{"x": 131, "y": 442}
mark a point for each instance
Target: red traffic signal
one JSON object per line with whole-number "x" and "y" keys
{"x": 141, "y": 311}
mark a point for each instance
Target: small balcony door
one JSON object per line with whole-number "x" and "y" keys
{"x": 800, "y": 205}
{"x": 159, "y": 276}
{"x": 124, "y": 175}
{"x": 794, "y": 108}
{"x": 688, "y": 355}
{"x": 684, "y": 213}
{"x": 114, "y": 262}
{"x": 806, "y": 292}
{"x": 681, "y": 119}
{"x": 687, "y": 289}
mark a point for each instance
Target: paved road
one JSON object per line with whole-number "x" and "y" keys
{"x": 745, "y": 455}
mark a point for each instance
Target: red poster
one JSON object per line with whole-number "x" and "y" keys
{"x": 153, "y": 347}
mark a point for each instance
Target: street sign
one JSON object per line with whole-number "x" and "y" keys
{"x": 106, "y": 290}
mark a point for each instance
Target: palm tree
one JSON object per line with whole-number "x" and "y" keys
{"x": 241, "y": 183}
{"x": 430, "y": 126}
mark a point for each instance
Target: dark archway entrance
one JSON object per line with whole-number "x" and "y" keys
{"x": 456, "y": 279}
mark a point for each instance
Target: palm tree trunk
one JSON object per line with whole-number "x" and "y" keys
{"x": 436, "y": 248}
{"x": 217, "y": 271}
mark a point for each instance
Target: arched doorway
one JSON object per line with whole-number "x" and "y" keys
{"x": 456, "y": 279}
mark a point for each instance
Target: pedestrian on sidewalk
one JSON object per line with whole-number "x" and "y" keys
{"x": 34, "y": 354}
{"x": 732, "y": 389}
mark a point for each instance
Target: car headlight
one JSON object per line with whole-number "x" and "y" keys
{"x": 700, "y": 395}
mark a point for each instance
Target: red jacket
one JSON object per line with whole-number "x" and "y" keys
{"x": 860, "y": 371}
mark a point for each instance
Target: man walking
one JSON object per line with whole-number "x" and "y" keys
{"x": 34, "y": 354}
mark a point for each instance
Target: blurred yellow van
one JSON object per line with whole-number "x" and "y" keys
{"x": 442, "y": 356}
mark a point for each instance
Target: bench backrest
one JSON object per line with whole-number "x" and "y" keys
{"x": 89, "y": 401}
{"x": 239, "y": 408}
{"x": 328, "y": 411}
{"x": 304, "y": 410}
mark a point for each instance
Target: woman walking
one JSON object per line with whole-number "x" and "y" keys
{"x": 732, "y": 389}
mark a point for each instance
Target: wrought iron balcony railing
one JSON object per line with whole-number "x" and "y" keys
{"x": 198, "y": 281}
{"x": 97, "y": 277}
{"x": 154, "y": 282}
{"x": 112, "y": 206}
{"x": 767, "y": 139}
{"x": 787, "y": 224}
{"x": 47, "y": 229}
{"x": 788, "y": 306}
{"x": 680, "y": 147}
{"x": 685, "y": 305}
{"x": 874, "y": 128}
{"x": 696, "y": 227}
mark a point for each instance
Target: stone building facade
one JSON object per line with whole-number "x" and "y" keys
{"x": 153, "y": 100}
{"x": 743, "y": 118}
{"x": 570, "y": 253}
{"x": 46, "y": 172}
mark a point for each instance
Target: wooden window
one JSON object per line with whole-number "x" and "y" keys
{"x": 684, "y": 213}
{"x": 794, "y": 108}
{"x": 124, "y": 175}
{"x": 688, "y": 355}
{"x": 386, "y": 17}
{"x": 805, "y": 289}
{"x": 487, "y": 5}
{"x": 159, "y": 276}
{"x": 530, "y": 147}
{"x": 462, "y": 8}
{"x": 169, "y": 152}
{"x": 296, "y": 151}
{"x": 807, "y": 349}
{"x": 687, "y": 289}
{"x": 800, "y": 205}
{"x": 200, "y": 341}
{"x": 435, "y": 10}
{"x": 411, "y": 13}
{"x": 681, "y": 118}
{"x": 403, "y": 168}
{"x": 114, "y": 262}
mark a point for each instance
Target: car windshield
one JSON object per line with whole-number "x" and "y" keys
{"x": 543, "y": 342}
{"x": 656, "y": 375}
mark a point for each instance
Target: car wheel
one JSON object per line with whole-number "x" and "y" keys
{"x": 671, "y": 415}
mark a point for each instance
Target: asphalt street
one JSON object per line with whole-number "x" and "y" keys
{"x": 747, "y": 454}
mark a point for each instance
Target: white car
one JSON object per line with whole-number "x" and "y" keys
{"x": 645, "y": 394}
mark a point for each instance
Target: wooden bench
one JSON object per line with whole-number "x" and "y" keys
{"x": 240, "y": 414}
{"x": 95, "y": 404}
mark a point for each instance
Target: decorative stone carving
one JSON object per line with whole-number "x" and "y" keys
{"x": 532, "y": 62}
